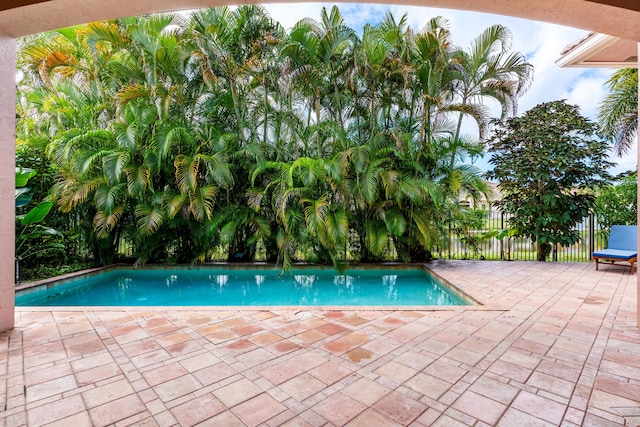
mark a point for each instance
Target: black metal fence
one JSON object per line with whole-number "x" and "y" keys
{"x": 482, "y": 243}
{"x": 486, "y": 243}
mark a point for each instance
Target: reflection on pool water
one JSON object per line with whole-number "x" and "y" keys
{"x": 234, "y": 287}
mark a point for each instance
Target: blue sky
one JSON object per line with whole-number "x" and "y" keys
{"x": 540, "y": 42}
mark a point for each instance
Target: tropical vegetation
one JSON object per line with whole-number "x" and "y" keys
{"x": 617, "y": 203}
{"x": 219, "y": 135}
{"x": 618, "y": 112}
{"x": 33, "y": 239}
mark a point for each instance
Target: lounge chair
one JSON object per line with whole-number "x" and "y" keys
{"x": 621, "y": 247}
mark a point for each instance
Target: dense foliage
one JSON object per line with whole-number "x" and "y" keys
{"x": 617, "y": 204}
{"x": 220, "y": 133}
{"x": 33, "y": 240}
{"x": 545, "y": 161}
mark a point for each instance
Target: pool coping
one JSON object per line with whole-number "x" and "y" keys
{"x": 474, "y": 303}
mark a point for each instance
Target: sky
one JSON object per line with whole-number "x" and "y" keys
{"x": 540, "y": 42}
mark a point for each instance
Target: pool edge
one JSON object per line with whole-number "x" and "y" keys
{"x": 472, "y": 302}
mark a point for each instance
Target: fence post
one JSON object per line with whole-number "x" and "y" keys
{"x": 449, "y": 237}
{"x": 502, "y": 240}
{"x": 592, "y": 235}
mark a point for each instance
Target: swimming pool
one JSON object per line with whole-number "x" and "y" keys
{"x": 247, "y": 287}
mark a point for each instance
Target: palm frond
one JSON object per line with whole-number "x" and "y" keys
{"x": 149, "y": 219}
{"x": 618, "y": 112}
{"x": 376, "y": 237}
{"x": 106, "y": 197}
{"x": 173, "y": 203}
{"x": 187, "y": 172}
{"x": 201, "y": 202}
{"x": 138, "y": 179}
{"x": 104, "y": 221}
{"x": 113, "y": 165}
{"x": 131, "y": 92}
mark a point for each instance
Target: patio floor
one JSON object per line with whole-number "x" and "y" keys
{"x": 554, "y": 344}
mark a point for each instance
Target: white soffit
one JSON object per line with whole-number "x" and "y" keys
{"x": 600, "y": 50}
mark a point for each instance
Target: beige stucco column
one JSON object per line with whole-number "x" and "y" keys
{"x": 7, "y": 180}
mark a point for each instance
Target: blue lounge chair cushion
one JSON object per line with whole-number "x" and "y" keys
{"x": 615, "y": 253}
{"x": 623, "y": 237}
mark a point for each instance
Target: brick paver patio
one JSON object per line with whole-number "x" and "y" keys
{"x": 554, "y": 344}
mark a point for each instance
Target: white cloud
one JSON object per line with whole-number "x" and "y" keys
{"x": 584, "y": 91}
{"x": 539, "y": 41}
{"x": 287, "y": 14}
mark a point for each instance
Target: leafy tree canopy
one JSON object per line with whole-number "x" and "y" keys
{"x": 545, "y": 162}
{"x": 618, "y": 203}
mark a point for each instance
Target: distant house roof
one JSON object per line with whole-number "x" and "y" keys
{"x": 600, "y": 50}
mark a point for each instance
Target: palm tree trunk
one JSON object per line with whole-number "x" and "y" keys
{"x": 372, "y": 113}
{"x": 236, "y": 109}
{"x": 292, "y": 127}
{"x": 452, "y": 161}
{"x": 340, "y": 119}
{"x": 318, "y": 139}
{"x": 266, "y": 106}
{"x": 423, "y": 130}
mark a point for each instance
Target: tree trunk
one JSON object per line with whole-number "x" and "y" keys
{"x": 543, "y": 251}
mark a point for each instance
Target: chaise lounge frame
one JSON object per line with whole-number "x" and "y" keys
{"x": 622, "y": 247}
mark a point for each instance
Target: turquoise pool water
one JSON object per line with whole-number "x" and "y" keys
{"x": 226, "y": 287}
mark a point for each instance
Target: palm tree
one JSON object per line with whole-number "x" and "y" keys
{"x": 320, "y": 53}
{"x": 618, "y": 112}
{"x": 434, "y": 82}
{"x": 122, "y": 169}
{"x": 490, "y": 70}
{"x": 230, "y": 46}
{"x": 70, "y": 109}
{"x": 381, "y": 75}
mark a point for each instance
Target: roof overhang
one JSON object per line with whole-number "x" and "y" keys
{"x": 600, "y": 50}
